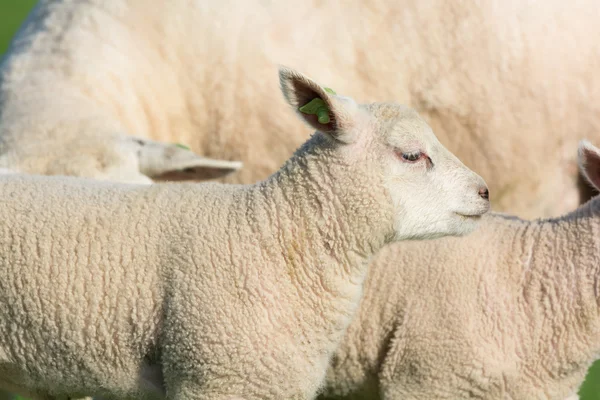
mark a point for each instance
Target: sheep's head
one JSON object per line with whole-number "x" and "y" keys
{"x": 431, "y": 192}
{"x": 173, "y": 162}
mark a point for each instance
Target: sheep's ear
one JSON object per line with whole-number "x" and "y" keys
{"x": 589, "y": 163}
{"x": 174, "y": 162}
{"x": 321, "y": 108}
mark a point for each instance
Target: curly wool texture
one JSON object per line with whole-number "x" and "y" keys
{"x": 216, "y": 291}
{"x": 509, "y": 312}
{"x": 98, "y": 281}
{"x": 505, "y": 84}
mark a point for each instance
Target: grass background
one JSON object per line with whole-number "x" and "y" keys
{"x": 12, "y": 14}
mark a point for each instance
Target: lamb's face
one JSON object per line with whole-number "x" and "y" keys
{"x": 433, "y": 193}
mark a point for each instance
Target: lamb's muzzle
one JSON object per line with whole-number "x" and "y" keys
{"x": 484, "y": 193}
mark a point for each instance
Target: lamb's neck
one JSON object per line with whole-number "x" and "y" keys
{"x": 329, "y": 213}
{"x": 563, "y": 286}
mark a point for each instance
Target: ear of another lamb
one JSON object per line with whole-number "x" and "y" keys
{"x": 174, "y": 162}
{"x": 589, "y": 163}
{"x": 320, "y": 107}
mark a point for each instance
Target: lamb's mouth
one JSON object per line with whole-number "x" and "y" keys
{"x": 469, "y": 216}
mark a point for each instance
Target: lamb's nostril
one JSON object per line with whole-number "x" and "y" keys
{"x": 484, "y": 193}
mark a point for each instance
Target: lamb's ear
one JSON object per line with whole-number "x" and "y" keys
{"x": 589, "y": 163}
{"x": 174, "y": 162}
{"x": 322, "y": 109}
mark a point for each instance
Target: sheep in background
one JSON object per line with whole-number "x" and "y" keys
{"x": 506, "y": 84}
{"x": 61, "y": 130}
{"x": 511, "y": 312}
{"x": 212, "y": 291}
{"x": 117, "y": 157}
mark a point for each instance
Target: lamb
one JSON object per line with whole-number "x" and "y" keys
{"x": 504, "y": 83}
{"x": 213, "y": 291}
{"x": 510, "y": 312}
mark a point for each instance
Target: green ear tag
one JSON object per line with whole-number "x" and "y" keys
{"x": 317, "y": 107}
{"x": 183, "y": 146}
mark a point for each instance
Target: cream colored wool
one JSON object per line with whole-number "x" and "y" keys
{"x": 511, "y": 311}
{"x": 506, "y": 84}
{"x": 52, "y": 125}
{"x": 90, "y": 149}
{"x": 212, "y": 291}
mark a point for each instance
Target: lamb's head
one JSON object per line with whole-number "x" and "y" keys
{"x": 120, "y": 158}
{"x": 431, "y": 193}
{"x": 175, "y": 162}
{"x": 142, "y": 161}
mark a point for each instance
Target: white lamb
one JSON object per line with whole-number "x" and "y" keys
{"x": 506, "y": 84}
{"x": 511, "y": 312}
{"x": 212, "y": 291}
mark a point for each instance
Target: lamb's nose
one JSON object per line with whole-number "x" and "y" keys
{"x": 484, "y": 193}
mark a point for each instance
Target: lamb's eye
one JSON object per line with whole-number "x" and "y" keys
{"x": 412, "y": 157}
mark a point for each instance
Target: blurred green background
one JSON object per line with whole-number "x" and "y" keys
{"x": 12, "y": 14}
